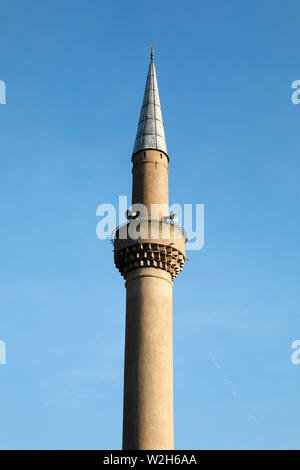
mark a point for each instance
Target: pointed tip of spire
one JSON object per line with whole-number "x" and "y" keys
{"x": 152, "y": 52}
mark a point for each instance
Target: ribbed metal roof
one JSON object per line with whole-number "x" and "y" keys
{"x": 151, "y": 132}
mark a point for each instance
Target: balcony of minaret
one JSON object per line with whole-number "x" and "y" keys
{"x": 149, "y": 243}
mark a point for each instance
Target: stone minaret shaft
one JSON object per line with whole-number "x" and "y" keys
{"x": 149, "y": 264}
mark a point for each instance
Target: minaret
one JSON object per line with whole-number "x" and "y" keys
{"x": 149, "y": 262}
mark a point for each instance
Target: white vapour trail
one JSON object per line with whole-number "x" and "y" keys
{"x": 226, "y": 380}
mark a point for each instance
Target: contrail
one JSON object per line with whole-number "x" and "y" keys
{"x": 227, "y": 380}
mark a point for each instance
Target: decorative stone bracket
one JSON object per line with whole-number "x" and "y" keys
{"x": 152, "y": 255}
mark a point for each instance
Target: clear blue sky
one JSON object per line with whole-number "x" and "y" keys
{"x": 75, "y": 74}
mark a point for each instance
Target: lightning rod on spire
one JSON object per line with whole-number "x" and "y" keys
{"x": 152, "y": 53}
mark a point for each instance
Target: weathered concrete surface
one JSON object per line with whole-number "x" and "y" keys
{"x": 150, "y": 181}
{"x": 148, "y": 377}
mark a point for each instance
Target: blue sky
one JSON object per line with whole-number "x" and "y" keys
{"x": 75, "y": 74}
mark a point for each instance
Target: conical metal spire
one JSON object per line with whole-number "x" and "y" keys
{"x": 151, "y": 133}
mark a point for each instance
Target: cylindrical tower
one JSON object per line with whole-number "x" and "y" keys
{"x": 149, "y": 252}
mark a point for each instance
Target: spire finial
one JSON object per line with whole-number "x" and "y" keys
{"x": 152, "y": 53}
